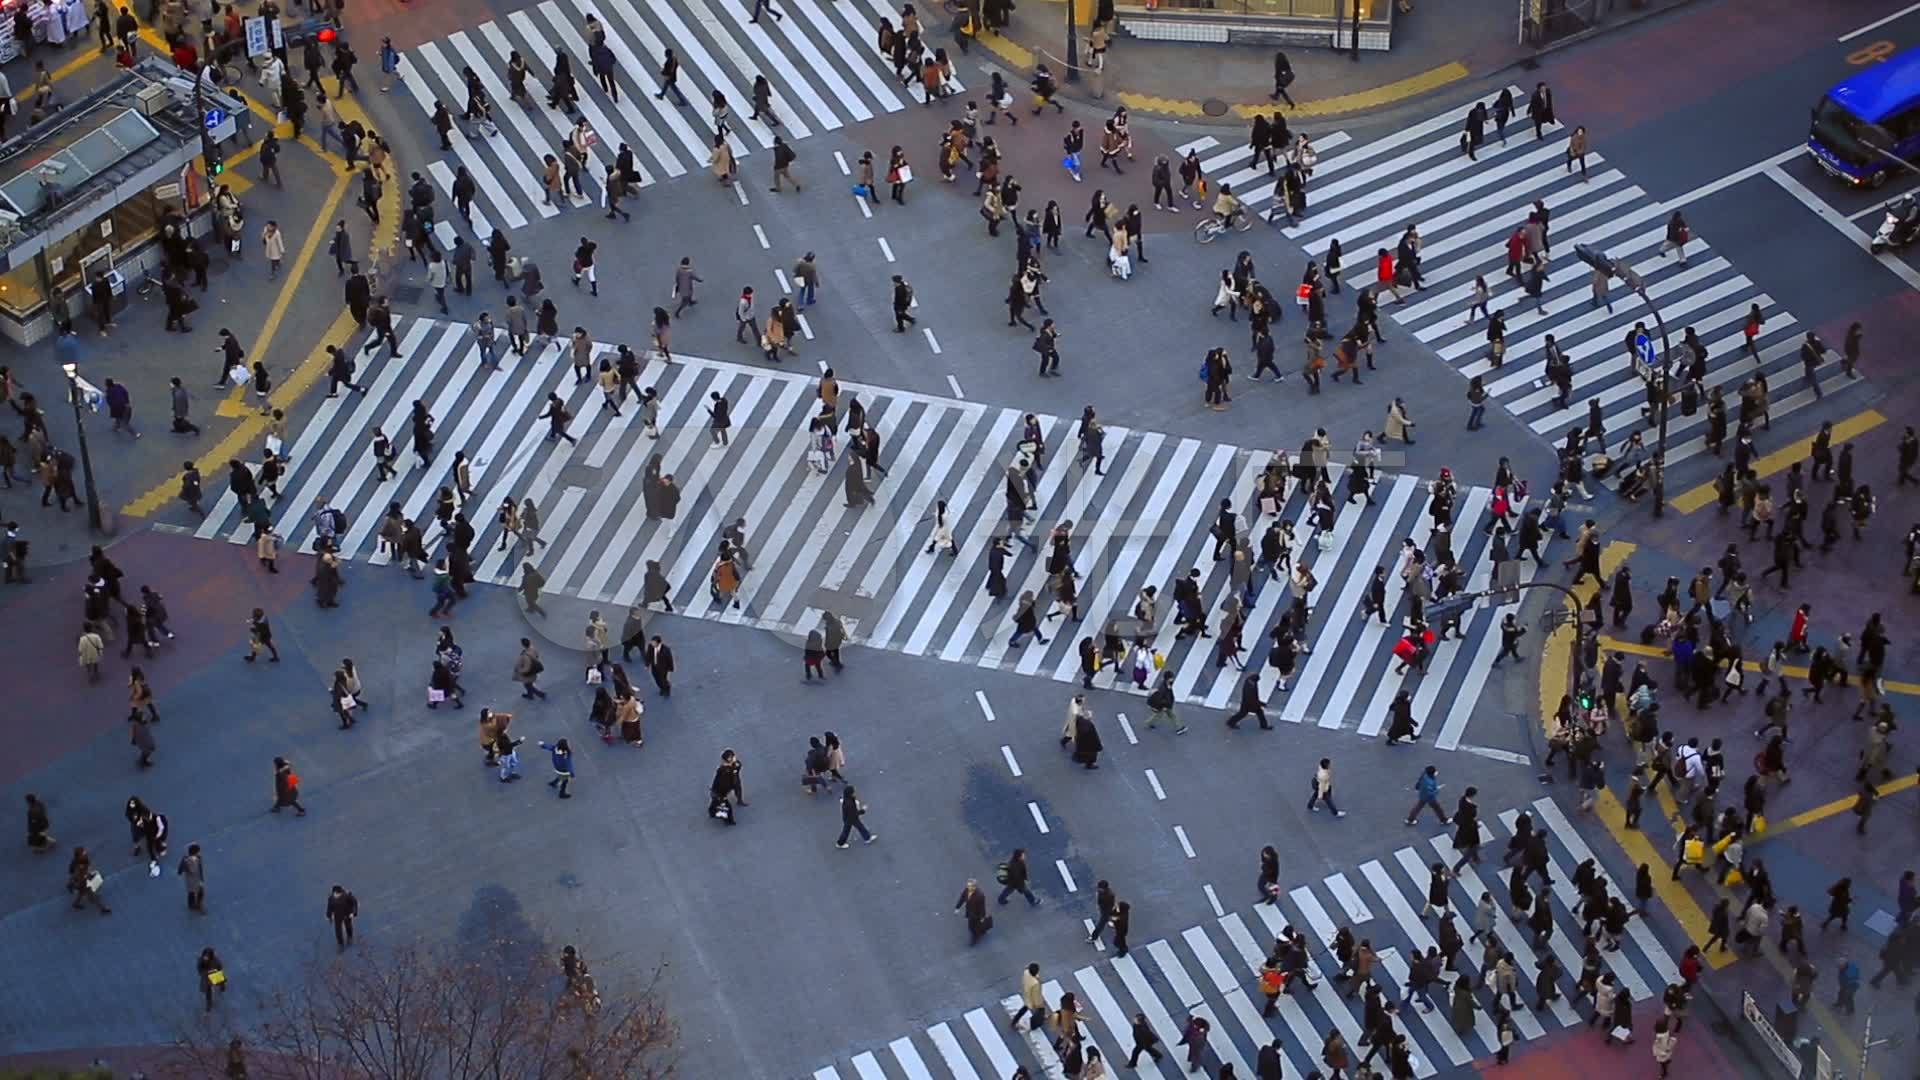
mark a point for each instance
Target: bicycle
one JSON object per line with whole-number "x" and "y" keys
{"x": 1210, "y": 228}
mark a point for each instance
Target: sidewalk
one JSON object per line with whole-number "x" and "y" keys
{"x": 1432, "y": 49}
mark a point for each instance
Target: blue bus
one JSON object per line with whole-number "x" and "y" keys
{"x": 1884, "y": 97}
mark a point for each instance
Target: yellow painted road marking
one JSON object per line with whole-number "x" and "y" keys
{"x": 1555, "y": 657}
{"x": 1023, "y": 59}
{"x": 1893, "y": 686}
{"x": 297, "y": 381}
{"x": 1853, "y": 426}
{"x": 1837, "y": 806}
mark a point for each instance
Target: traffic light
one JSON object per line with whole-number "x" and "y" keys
{"x": 1585, "y": 698}
{"x": 215, "y": 158}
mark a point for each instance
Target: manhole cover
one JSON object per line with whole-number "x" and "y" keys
{"x": 1214, "y": 107}
{"x": 408, "y": 294}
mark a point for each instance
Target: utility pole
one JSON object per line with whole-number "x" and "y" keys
{"x": 1613, "y": 268}
{"x": 1073, "y": 42}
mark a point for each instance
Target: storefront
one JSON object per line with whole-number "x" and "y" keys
{"x": 1302, "y": 23}
{"x": 85, "y": 192}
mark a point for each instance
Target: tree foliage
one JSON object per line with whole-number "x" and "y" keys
{"x": 416, "y": 1012}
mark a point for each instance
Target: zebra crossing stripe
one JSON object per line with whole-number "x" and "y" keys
{"x": 1238, "y": 1028}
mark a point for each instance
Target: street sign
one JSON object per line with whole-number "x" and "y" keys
{"x": 166, "y": 191}
{"x": 215, "y": 117}
{"x": 1643, "y": 355}
{"x": 256, "y": 35}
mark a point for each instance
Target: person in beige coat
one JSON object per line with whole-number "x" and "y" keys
{"x": 267, "y": 550}
{"x": 721, "y": 160}
{"x": 1399, "y": 424}
{"x": 597, "y": 638}
{"x": 492, "y": 725}
{"x": 273, "y": 243}
{"x": 89, "y": 649}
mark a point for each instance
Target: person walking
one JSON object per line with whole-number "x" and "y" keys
{"x": 212, "y": 975}
{"x": 342, "y": 908}
{"x": 1427, "y": 791}
{"x": 562, "y": 766}
{"x": 1013, "y": 878}
{"x": 286, "y": 787}
{"x": 1321, "y": 789}
{"x": 192, "y": 870}
{"x": 973, "y": 904}
{"x": 852, "y": 814}
{"x": 1033, "y": 1003}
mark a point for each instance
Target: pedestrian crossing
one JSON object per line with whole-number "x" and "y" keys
{"x": 822, "y": 61}
{"x": 1366, "y": 194}
{"x": 1210, "y": 970}
{"x": 1145, "y": 521}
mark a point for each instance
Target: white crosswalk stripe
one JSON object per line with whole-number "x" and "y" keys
{"x": 1366, "y": 194}
{"x": 1190, "y": 973}
{"x": 823, "y": 67}
{"x": 809, "y": 552}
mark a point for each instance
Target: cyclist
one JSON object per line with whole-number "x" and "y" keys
{"x": 1226, "y": 207}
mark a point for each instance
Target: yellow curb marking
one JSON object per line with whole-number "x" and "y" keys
{"x": 1853, "y": 426}
{"x": 1894, "y": 686}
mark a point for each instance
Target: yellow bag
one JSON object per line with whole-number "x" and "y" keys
{"x": 1159, "y": 661}
{"x": 1759, "y": 824}
{"x": 1696, "y": 852}
{"x": 216, "y": 976}
{"x": 1720, "y": 846}
{"x": 1735, "y": 879}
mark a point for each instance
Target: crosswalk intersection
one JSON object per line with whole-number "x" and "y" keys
{"x": 1210, "y": 970}
{"x": 1366, "y": 194}
{"x": 822, "y": 61}
{"x": 1146, "y": 521}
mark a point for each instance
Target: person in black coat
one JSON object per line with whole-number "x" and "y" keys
{"x": 852, "y": 810}
{"x": 1015, "y": 880}
{"x": 1086, "y": 742}
{"x": 659, "y": 660}
{"x": 1250, "y": 704}
{"x": 972, "y": 902}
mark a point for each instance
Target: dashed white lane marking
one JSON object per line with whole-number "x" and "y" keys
{"x": 1153, "y": 780}
{"x": 1014, "y": 766}
{"x": 885, "y": 248}
{"x": 806, "y": 331}
{"x": 1065, "y": 874}
{"x": 1127, "y": 730}
{"x": 740, "y": 190}
{"x": 761, "y": 235}
{"x": 978, "y": 695}
{"x": 865, "y": 210}
{"x": 932, "y": 342}
{"x": 780, "y": 276}
{"x": 840, "y": 160}
{"x": 1097, "y": 943}
{"x": 954, "y": 384}
{"x": 1038, "y": 819}
{"x": 1185, "y": 845}
{"x": 1218, "y": 911}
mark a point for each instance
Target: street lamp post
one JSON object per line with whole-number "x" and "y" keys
{"x": 74, "y": 398}
{"x": 1613, "y": 268}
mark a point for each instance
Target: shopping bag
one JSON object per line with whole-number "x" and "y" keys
{"x": 1735, "y": 879}
{"x": 594, "y": 677}
{"x": 905, "y": 175}
{"x": 1759, "y": 824}
{"x": 1696, "y": 852}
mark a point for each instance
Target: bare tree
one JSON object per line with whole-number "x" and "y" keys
{"x": 417, "y": 1012}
